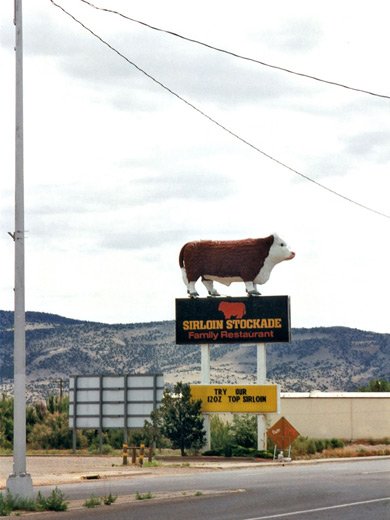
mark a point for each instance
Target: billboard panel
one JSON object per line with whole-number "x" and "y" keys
{"x": 108, "y": 401}
{"x": 259, "y": 319}
{"x": 237, "y": 398}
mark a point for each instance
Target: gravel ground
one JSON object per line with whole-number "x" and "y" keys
{"x": 53, "y": 470}
{"x": 63, "y": 469}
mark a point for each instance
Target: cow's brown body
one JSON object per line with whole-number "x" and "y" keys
{"x": 225, "y": 259}
{"x": 250, "y": 261}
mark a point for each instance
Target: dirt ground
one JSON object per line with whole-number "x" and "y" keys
{"x": 62, "y": 469}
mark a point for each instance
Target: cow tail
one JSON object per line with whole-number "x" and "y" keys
{"x": 181, "y": 256}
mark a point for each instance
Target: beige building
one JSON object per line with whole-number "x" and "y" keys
{"x": 349, "y": 416}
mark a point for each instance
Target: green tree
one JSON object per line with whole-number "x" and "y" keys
{"x": 376, "y": 385}
{"x": 221, "y": 435}
{"x": 244, "y": 430}
{"x": 181, "y": 419}
{"x": 6, "y": 421}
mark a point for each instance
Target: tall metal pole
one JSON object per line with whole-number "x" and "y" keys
{"x": 205, "y": 374}
{"x": 19, "y": 482}
{"x": 261, "y": 380}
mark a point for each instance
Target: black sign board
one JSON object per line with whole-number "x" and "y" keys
{"x": 254, "y": 319}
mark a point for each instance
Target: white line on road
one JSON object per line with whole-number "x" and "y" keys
{"x": 305, "y": 511}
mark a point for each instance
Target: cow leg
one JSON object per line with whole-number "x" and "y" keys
{"x": 192, "y": 292}
{"x": 251, "y": 289}
{"x": 209, "y": 284}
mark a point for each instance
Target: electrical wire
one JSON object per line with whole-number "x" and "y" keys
{"x": 218, "y": 49}
{"x": 216, "y": 122}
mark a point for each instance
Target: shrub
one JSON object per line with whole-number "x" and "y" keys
{"x": 212, "y": 453}
{"x": 336, "y": 443}
{"x": 228, "y": 450}
{"x": 244, "y": 430}
{"x": 107, "y": 449}
{"x": 311, "y": 447}
{"x": 110, "y": 499}
{"x": 220, "y": 435}
{"x": 56, "y": 501}
{"x": 264, "y": 454}
{"x": 146, "y": 496}
{"x": 92, "y": 501}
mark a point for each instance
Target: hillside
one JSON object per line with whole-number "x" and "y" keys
{"x": 332, "y": 358}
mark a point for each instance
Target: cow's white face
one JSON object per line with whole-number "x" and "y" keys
{"x": 279, "y": 250}
{"x": 277, "y": 253}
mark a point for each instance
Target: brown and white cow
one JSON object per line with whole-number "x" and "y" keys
{"x": 250, "y": 261}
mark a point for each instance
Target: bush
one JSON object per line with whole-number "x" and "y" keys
{"x": 109, "y": 499}
{"x": 54, "y": 433}
{"x": 92, "y": 501}
{"x": 228, "y": 450}
{"x": 212, "y": 453}
{"x": 264, "y": 454}
{"x": 304, "y": 446}
{"x": 56, "y": 501}
{"x": 244, "y": 430}
{"x": 337, "y": 443}
{"x": 146, "y": 496}
{"x": 107, "y": 449}
{"x": 220, "y": 435}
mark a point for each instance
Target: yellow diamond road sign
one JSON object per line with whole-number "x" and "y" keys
{"x": 237, "y": 398}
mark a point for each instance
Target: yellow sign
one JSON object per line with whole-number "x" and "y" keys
{"x": 237, "y": 398}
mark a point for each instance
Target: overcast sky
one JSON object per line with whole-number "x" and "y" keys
{"x": 120, "y": 173}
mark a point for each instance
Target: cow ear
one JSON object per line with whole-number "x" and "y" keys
{"x": 270, "y": 239}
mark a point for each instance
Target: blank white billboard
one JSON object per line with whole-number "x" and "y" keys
{"x": 107, "y": 401}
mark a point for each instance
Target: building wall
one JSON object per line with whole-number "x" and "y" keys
{"x": 319, "y": 415}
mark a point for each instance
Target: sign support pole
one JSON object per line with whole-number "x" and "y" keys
{"x": 205, "y": 377}
{"x": 19, "y": 482}
{"x": 261, "y": 380}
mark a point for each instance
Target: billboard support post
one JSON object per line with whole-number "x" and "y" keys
{"x": 261, "y": 380}
{"x": 205, "y": 377}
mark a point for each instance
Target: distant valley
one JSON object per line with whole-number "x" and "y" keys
{"x": 323, "y": 358}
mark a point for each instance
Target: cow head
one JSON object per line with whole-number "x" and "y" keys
{"x": 279, "y": 250}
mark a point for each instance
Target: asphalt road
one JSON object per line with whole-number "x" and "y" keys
{"x": 333, "y": 490}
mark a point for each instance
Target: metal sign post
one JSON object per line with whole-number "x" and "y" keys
{"x": 19, "y": 482}
{"x": 261, "y": 380}
{"x": 205, "y": 369}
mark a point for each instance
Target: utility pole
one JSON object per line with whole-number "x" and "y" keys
{"x": 60, "y": 381}
{"x": 19, "y": 482}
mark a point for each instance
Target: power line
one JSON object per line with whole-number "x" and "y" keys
{"x": 253, "y": 60}
{"x": 216, "y": 122}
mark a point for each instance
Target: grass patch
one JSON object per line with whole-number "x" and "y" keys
{"x": 56, "y": 501}
{"x": 146, "y": 496}
{"x": 92, "y": 502}
{"x": 109, "y": 499}
{"x": 153, "y": 464}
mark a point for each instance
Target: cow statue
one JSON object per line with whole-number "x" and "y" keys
{"x": 250, "y": 261}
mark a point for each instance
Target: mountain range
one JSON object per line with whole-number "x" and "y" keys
{"x": 321, "y": 358}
